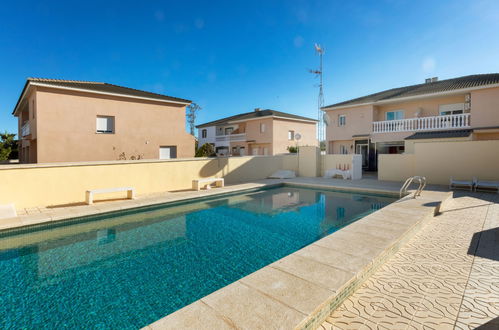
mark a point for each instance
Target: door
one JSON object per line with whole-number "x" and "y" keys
{"x": 363, "y": 149}
{"x": 167, "y": 152}
{"x": 255, "y": 151}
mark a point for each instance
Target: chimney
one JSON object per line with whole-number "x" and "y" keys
{"x": 257, "y": 109}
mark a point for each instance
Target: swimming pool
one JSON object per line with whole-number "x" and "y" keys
{"x": 129, "y": 269}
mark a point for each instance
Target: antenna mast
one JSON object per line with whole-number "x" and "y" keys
{"x": 320, "y": 101}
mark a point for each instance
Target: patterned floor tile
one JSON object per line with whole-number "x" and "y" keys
{"x": 435, "y": 281}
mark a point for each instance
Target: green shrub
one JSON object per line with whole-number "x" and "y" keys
{"x": 206, "y": 150}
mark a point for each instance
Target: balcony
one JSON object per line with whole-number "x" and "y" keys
{"x": 25, "y": 129}
{"x": 423, "y": 124}
{"x": 231, "y": 138}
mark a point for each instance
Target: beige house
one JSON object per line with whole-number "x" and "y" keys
{"x": 389, "y": 122}
{"x": 260, "y": 132}
{"x": 72, "y": 121}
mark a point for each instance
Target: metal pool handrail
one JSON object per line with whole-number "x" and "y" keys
{"x": 407, "y": 183}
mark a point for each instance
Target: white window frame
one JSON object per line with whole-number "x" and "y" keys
{"x": 262, "y": 127}
{"x": 342, "y": 120}
{"x": 204, "y": 133}
{"x": 395, "y": 111}
{"x": 343, "y": 149}
{"x": 291, "y": 135}
{"x": 107, "y": 131}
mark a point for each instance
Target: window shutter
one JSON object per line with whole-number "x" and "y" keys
{"x": 101, "y": 124}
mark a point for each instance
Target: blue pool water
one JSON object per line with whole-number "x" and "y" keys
{"x": 129, "y": 269}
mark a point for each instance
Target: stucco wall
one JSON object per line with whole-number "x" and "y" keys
{"x": 308, "y": 132}
{"x": 396, "y": 167}
{"x": 45, "y": 185}
{"x": 66, "y": 127}
{"x": 438, "y": 161}
{"x": 485, "y": 107}
{"x": 309, "y": 163}
{"x": 358, "y": 121}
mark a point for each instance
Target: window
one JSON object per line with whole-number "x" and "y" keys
{"x": 229, "y": 130}
{"x": 395, "y": 115}
{"x": 105, "y": 124}
{"x": 342, "y": 120}
{"x": 451, "y": 109}
{"x": 168, "y": 152}
{"x": 204, "y": 133}
{"x": 291, "y": 135}
{"x": 262, "y": 128}
{"x": 343, "y": 149}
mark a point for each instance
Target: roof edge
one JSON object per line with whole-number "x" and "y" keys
{"x": 34, "y": 82}
{"x": 398, "y": 99}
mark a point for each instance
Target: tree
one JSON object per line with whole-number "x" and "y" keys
{"x": 192, "y": 110}
{"x": 206, "y": 150}
{"x": 293, "y": 149}
{"x": 8, "y": 146}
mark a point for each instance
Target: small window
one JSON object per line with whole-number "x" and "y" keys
{"x": 342, "y": 120}
{"x": 395, "y": 115}
{"x": 291, "y": 135}
{"x": 262, "y": 128}
{"x": 343, "y": 149}
{"x": 105, "y": 124}
{"x": 204, "y": 133}
{"x": 168, "y": 152}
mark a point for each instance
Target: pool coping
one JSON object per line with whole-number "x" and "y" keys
{"x": 252, "y": 291}
{"x": 273, "y": 296}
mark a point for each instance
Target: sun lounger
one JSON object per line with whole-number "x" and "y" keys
{"x": 334, "y": 172}
{"x": 463, "y": 184}
{"x": 487, "y": 185}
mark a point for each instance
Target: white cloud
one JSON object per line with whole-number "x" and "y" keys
{"x": 429, "y": 64}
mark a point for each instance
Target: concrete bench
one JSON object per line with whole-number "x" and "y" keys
{"x": 89, "y": 196}
{"x": 198, "y": 183}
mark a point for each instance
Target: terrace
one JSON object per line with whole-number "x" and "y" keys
{"x": 423, "y": 124}
{"x": 351, "y": 277}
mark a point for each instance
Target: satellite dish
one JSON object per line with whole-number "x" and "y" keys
{"x": 327, "y": 119}
{"x": 297, "y": 136}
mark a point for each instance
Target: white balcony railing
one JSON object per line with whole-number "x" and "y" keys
{"x": 231, "y": 138}
{"x": 25, "y": 129}
{"x": 423, "y": 124}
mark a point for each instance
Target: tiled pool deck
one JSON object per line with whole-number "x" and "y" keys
{"x": 446, "y": 277}
{"x": 301, "y": 290}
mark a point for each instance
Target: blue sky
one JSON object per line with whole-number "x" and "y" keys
{"x": 233, "y": 56}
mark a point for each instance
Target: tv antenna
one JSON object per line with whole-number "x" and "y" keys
{"x": 320, "y": 101}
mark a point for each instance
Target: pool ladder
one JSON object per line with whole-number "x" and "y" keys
{"x": 407, "y": 183}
